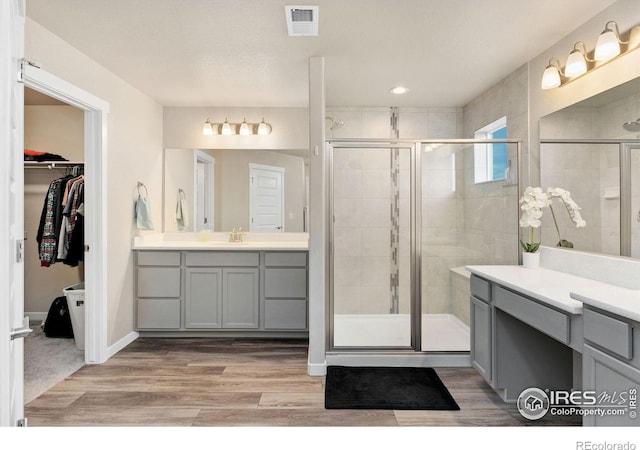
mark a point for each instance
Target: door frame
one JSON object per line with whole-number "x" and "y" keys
{"x": 200, "y": 156}
{"x": 281, "y": 170}
{"x": 95, "y": 145}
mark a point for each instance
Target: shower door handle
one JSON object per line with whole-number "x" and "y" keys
{"x": 24, "y": 331}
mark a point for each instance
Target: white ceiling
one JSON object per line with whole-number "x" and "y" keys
{"x": 238, "y": 52}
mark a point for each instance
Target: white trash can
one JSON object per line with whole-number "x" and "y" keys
{"x": 75, "y": 301}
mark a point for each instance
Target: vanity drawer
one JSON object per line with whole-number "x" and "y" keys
{"x": 285, "y": 314}
{"x": 158, "y": 258}
{"x": 285, "y": 283}
{"x": 550, "y": 321}
{"x": 609, "y": 333}
{"x": 155, "y": 313}
{"x": 227, "y": 259}
{"x": 289, "y": 259}
{"x": 480, "y": 288}
{"x": 162, "y": 282}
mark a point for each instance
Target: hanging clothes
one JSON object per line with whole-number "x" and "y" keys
{"x": 61, "y": 231}
{"x": 51, "y": 222}
{"x": 75, "y": 199}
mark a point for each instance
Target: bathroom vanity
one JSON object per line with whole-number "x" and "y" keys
{"x": 557, "y": 331}
{"x": 218, "y": 288}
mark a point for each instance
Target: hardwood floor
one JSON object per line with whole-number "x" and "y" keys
{"x": 240, "y": 382}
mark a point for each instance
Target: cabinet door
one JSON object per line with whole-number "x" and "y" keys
{"x": 481, "y": 339}
{"x": 610, "y": 376}
{"x": 203, "y": 298}
{"x": 240, "y": 298}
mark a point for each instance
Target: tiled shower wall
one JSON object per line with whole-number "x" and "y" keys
{"x": 362, "y": 199}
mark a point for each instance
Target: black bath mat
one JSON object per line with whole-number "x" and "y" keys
{"x": 386, "y": 388}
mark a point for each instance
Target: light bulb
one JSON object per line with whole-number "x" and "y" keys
{"x": 607, "y": 46}
{"x": 550, "y": 77}
{"x": 226, "y": 128}
{"x": 576, "y": 64}
{"x": 264, "y": 128}
{"x": 244, "y": 128}
{"x": 207, "y": 129}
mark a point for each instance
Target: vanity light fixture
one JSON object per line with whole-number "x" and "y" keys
{"x": 207, "y": 129}
{"x": 243, "y": 128}
{"x": 264, "y": 128}
{"x": 226, "y": 128}
{"x": 608, "y": 47}
{"x": 577, "y": 61}
{"x": 551, "y": 76}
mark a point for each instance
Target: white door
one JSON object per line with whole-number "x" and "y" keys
{"x": 12, "y": 14}
{"x": 204, "y": 190}
{"x": 266, "y": 198}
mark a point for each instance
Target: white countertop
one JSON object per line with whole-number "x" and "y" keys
{"x": 616, "y": 300}
{"x": 564, "y": 291}
{"x": 217, "y": 241}
{"x": 548, "y": 286}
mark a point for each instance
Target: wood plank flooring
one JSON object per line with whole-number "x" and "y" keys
{"x": 240, "y": 382}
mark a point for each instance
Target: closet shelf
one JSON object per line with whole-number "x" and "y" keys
{"x": 51, "y": 164}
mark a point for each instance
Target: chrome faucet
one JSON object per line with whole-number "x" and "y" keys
{"x": 236, "y": 236}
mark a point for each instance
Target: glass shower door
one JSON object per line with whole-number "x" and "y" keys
{"x": 371, "y": 246}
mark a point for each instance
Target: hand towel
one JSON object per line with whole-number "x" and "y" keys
{"x": 142, "y": 211}
{"x": 182, "y": 214}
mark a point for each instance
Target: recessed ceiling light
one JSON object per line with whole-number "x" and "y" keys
{"x": 398, "y": 90}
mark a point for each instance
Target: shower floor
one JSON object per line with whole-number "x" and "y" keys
{"x": 440, "y": 332}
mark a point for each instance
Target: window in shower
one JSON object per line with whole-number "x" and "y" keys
{"x": 490, "y": 159}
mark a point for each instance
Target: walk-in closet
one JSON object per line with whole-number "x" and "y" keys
{"x": 54, "y": 235}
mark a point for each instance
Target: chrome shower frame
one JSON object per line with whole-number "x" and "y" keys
{"x": 414, "y": 352}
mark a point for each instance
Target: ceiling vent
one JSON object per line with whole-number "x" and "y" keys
{"x": 302, "y": 20}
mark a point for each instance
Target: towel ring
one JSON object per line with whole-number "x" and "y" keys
{"x": 146, "y": 191}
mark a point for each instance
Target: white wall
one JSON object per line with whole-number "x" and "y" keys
{"x": 133, "y": 153}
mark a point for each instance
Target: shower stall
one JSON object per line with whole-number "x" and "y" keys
{"x": 405, "y": 218}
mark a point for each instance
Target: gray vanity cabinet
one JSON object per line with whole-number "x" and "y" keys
{"x": 158, "y": 290}
{"x": 222, "y": 296}
{"x": 517, "y": 342}
{"x": 611, "y": 364}
{"x": 218, "y": 292}
{"x": 285, "y": 291}
{"x": 481, "y": 329}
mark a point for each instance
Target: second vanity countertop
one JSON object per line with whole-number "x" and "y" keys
{"x": 219, "y": 241}
{"x": 564, "y": 291}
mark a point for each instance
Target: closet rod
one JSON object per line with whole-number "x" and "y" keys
{"x": 51, "y": 164}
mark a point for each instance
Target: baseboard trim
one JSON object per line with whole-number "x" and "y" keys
{"x": 122, "y": 343}
{"x": 317, "y": 370}
{"x": 36, "y": 315}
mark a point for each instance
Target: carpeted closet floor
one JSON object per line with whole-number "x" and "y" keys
{"x": 47, "y": 361}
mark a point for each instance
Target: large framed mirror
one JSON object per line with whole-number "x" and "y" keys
{"x": 592, "y": 149}
{"x": 218, "y": 190}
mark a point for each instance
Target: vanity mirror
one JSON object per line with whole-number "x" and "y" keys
{"x": 589, "y": 150}
{"x": 218, "y": 190}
